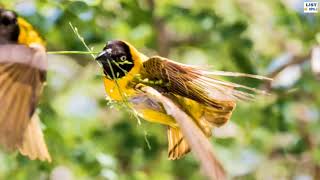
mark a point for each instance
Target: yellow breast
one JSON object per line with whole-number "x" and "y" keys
{"x": 119, "y": 89}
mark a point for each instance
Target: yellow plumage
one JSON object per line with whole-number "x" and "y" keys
{"x": 121, "y": 90}
{"x": 28, "y": 35}
{"x": 111, "y": 87}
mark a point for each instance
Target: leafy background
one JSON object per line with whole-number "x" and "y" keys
{"x": 275, "y": 137}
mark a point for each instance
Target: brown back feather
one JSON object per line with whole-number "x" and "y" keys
{"x": 179, "y": 79}
{"x": 197, "y": 84}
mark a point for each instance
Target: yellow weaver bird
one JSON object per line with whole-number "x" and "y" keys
{"x": 199, "y": 93}
{"x": 23, "y": 65}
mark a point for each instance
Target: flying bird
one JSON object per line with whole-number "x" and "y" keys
{"x": 23, "y": 65}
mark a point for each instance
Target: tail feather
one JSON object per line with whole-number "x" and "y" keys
{"x": 188, "y": 132}
{"x": 218, "y": 117}
{"x": 178, "y": 146}
{"x": 33, "y": 144}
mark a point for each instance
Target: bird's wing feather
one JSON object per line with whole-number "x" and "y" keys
{"x": 198, "y": 84}
{"x": 20, "y": 88}
{"x": 177, "y": 144}
{"x": 191, "y": 87}
{"x": 33, "y": 144}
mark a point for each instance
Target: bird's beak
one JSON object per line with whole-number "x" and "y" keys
{"x": 101, "y": 56}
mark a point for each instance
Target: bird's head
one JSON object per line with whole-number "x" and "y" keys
{"x": 9, "y": 28}
{"x": 116, "y": 59}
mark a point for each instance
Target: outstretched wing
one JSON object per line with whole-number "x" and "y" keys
{"x": 20, "y": 88}
{"x": 208, "y": 100}
{"x": 22, "y": 73}
{"x": 198, "y": 84}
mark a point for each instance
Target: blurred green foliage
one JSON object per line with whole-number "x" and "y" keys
{"x": 275, "y": 137}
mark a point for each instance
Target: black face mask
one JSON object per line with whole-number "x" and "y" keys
{"x": 9, "y": 28}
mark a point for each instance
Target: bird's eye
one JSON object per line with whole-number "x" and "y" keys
{"x": 123, "y": 58}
